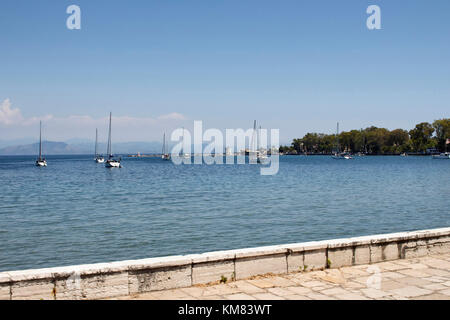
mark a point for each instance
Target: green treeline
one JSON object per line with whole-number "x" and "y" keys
{"x": 375, "y": 140}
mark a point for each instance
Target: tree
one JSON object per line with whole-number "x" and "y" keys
{"x": 397, "y": 140}
{"x": 421, "y": 137}
{"x": 442, "y": 129}
{"x": 297, "y": 145}
{"x": 376, "y": 139}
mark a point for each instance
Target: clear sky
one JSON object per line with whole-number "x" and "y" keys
{"x": 295, "y": 65}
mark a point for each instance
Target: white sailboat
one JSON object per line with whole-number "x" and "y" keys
{"x": 40, "y": 162}
{"x": 337, "y": 154}
{"x": 165, "y": 155}
{"x": 255, "y": 151}
{"x": 111, "y": 162}
{"x": 98, "y": 158}
{"x": 261, "y": 156}
{"x": 183, "y": 154}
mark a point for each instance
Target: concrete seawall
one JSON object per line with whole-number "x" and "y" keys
{"x": 124, "y": 278}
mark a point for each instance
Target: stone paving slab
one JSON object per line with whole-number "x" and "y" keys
{"x": 418, "y": 278}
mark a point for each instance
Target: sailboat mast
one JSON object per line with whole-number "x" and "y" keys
{"x": 337, "y": 138}
{"x": 96, "y": 138}
{"x": 253, "y": 136}
{"x": 109, "y": 137}
{"x": 40, "y": 140}
{"x": 259, "y": 138}
{"x": 164, "y": 144}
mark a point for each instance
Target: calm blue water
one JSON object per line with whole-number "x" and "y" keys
{"x": 76, "y": 211}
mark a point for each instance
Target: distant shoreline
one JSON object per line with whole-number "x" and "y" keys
{"x": 153, "y": 155}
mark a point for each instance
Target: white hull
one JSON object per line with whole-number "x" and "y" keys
{"x": 338, "y": 157}
{"x": 112, "y": 164}
{"x": 165, "y": 157}
{"x": 100, "y": 160}
{"x": 41, "y": 163}
{"x": 442, "y": 156}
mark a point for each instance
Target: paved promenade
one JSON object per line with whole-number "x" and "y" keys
{"x": 420, "y": 278}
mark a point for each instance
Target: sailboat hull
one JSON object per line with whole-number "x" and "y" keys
{"x": 100, "y": 160}
{"x": 42, "y": 163}
{"x": 342, "y": 157}
{"x": 112, "y": 164}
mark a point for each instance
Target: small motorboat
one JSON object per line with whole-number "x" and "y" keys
{"x": 442, "y": 156}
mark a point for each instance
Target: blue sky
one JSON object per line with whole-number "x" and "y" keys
{"x": 298, "y": 66}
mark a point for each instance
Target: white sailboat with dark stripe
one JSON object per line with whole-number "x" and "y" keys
{"x": 111, "y": 162}
{"x": 98, "y": 158}
{"x": 40, "y": 162}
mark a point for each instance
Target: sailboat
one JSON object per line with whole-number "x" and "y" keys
{"x": 184, "y": 155}
{"x": 111, "y": 162}
{"x": 255, "y": 150}
{"x": 337, "y": 154}
{"x": 40, "y": 162}
{"x": 165, "y": 155}
{"x": 261, "y": 156}
{"x": 98, "y": 158}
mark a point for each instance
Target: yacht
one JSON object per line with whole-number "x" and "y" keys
{"x": 261, "y": 154}
{"x": 40, "y": 162}
{"x": 165, "y": 155}
{"x": 183, "y": 154}
{"x": 98, "y": 158}
{"x": 337, "y": 154}
{"x": 111, "y": 162}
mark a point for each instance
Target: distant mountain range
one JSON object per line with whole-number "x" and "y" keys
{"x": 59, "y": 148}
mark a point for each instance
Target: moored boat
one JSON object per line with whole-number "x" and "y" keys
{"x": 98, "y": 158}
{"x": 337, "y": 154}
{"x": 111, "y": 162}
{"x": 40, "y": 162}
{"x": 442, "y": 156}
{"x": 165, "y": 155}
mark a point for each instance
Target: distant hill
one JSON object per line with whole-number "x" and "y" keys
{"x": 48, "y": 147}
{"x": 58, "y": 148}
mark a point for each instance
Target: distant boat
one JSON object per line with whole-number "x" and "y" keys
{"x": 338, "y": 154}
{"x": 165, "y": 155}
{"x": 111, "y": 162}
{"x": 98, "y": 158}
{"x": 255, "y": 150}
{"x": 404, "y": 154}
{"x": 40, "y": 162}
{"x": 184, "y": 155}
{"x": 442, "y": 156}
{"x": 261, "y": 156}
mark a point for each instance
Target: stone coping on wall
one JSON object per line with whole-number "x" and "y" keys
{"x": 102, "y": 280}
